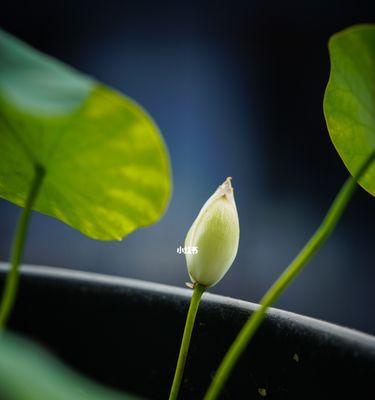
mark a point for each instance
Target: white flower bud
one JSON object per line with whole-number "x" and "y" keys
{"x": 215, "y": 233}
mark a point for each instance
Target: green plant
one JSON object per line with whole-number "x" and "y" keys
{"x": 349, "y": 100}
{"x": 27, "y": 372}
{"x": 214, "y": 236}
{"x": 349, "y": 105}
{"x": 82, "y": 153}
{"x": 76, "y": 150}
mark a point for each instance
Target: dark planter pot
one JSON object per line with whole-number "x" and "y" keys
{"x": 126, "y": 334}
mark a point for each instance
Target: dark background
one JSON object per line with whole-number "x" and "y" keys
{"x": 236, "y": 88}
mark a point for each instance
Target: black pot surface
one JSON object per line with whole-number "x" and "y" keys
{"x": 126, "y": 334}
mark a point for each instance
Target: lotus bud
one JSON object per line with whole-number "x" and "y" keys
{"x": 215, "y": 235}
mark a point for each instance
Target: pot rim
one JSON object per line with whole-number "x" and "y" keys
{"x": 214, "y": 300}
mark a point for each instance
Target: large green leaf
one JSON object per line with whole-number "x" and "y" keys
{"x": 107, "y": 167}
{"x": 27, "y": 372}
{"x": 349, "y": 101}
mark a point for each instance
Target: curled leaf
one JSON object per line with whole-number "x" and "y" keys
{"x": 349, "y": 101}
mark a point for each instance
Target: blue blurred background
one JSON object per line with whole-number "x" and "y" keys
{"x": 236, "y": 88}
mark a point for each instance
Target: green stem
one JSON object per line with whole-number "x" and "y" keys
{"x": 320, "y": 236}
{"x": 189, "y": 325}
{"x": 11, "y": 282}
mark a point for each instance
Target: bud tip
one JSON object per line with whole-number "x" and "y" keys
{"x": 226, "y": 188}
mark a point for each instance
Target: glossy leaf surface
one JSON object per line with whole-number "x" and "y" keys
{"x": 349, "y": 102}
{"x": 107, "y": 167}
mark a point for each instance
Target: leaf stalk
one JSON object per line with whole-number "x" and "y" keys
{"x": 12, "y": 279}
{"x": 247, "y": 332}
{"x": 189, "y": 325}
